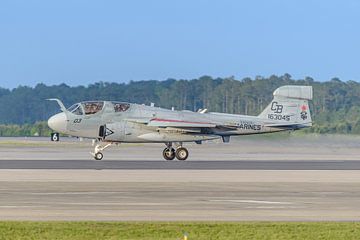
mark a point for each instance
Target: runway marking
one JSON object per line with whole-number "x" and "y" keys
{"x": 17, "y": 206}
{"x": 120, "y": 204}
{"x": 72, "y": 193}
{"x": 42, "y": 204}
{"x": 272, "y": 207}
{"x": 249, "y": 201}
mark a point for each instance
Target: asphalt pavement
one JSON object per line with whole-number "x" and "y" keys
{"x": 185, "y": 165}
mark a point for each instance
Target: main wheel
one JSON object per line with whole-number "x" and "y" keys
{"x": 98, "y": 156}
{"x": 181, "y": 153}
{"x": 169, "y": 154}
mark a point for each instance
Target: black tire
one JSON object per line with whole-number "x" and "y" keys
{"x": 169, "y": 154}
{"x": 182, "y": 153}
{"x": 98, "y": 156}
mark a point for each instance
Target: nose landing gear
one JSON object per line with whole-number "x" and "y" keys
{"x": 97, "y": 154}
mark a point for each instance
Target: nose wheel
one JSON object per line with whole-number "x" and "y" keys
{"x": 98, "y": 156}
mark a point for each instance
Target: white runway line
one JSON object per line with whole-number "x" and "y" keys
{"x": 16, "y": 206}
{"x": 249, "y": 201}
{"x": 118, "y": 204}
{"x": 71, "y": 193}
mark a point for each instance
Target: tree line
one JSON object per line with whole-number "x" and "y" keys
{"x": 335, "y": 108}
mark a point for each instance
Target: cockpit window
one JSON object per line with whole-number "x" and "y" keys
{"x": 73, "y": 107}
{"x": 92, "y": 107}
{"x": 120, "y": 107}
{"x": 76, "y": 109}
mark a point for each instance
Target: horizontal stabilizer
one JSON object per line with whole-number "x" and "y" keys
{"x": 295, "y": 92}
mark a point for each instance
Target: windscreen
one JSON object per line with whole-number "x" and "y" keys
{"x": 76, "y": 109}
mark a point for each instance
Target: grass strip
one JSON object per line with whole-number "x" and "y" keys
{"x": 176, "y": 230}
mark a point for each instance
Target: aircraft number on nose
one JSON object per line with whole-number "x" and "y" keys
{"x": 77, "y": 120}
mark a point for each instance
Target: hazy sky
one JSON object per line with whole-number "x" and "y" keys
{"x": 80, "y": 42}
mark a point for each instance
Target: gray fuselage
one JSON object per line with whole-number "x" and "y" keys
{"x": 140, "y": 123}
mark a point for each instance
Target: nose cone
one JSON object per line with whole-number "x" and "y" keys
{"x": 58, "y": 122}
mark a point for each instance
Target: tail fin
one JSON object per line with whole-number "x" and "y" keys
{"x": 289, "y": 108}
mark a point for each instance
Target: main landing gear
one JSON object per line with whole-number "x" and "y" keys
{"x": 169, "y": 153}
{"x": 180, "y": 152}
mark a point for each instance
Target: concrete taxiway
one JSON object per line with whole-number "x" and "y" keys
{"x": 42, "y": 181}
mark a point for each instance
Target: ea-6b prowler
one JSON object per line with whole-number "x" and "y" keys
{"x": 117, "y": 122}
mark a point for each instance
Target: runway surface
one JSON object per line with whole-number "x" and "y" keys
{"x": 178, "y": 195}
{"x": 291, "y": 179}
{"x": 178, "y": 165}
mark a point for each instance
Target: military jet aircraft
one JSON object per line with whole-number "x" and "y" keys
{"x": 112, "y": 122}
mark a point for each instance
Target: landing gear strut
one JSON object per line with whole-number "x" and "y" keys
{"x": 180, "y": 153}
{"x": 97, "y": 154}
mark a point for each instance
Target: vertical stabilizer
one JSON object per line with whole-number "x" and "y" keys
{"x": 289, "y": 106}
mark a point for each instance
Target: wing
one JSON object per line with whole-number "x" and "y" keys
{"x": 182, "y": 125}
{"x": 160, "y": 122}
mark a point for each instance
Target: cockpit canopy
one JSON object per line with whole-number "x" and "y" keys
{"x": 120, "y": 107}
{"x": 86, "y": 107}
{"x": 92, "y": 107}
{"x": 76, "y": 109}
